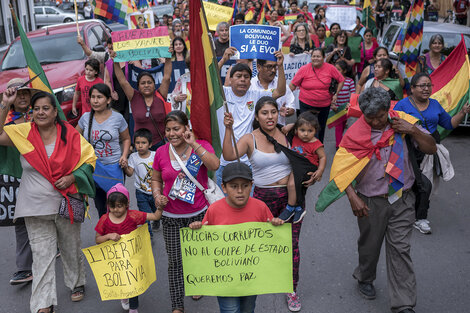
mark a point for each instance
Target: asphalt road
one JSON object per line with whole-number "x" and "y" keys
{"x": 328, "y": 258}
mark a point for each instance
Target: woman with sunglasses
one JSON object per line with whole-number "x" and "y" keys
{"x": 431, "y": 114}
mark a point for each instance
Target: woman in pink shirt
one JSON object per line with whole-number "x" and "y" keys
{"x": 179, "y": 213}
{"x": 314, "y": 82}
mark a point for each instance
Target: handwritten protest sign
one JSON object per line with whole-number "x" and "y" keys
{"x": 292, "y": 64}
{"x": 123, "y": 269}
{"x": 216, "y": 13}
{"x": 237, "y": 260}
{"x": 8, "y": 192}
{"x": 345, "y": 16}
{"x": 138, "y": 44}
{"x": 255, "y": 41}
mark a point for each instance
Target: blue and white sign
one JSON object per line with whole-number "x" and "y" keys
{"x": 255, "y": 41}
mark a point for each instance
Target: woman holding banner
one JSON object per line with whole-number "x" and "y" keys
{"x": 271, "y": 171}
{"x": 147, "y": 103}
{"x": 315, "y": 81}
{"x": 56, "y": 162}
{"x": 179, "y": 213}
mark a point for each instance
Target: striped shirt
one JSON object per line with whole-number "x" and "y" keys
{"x": 345, "y": 94}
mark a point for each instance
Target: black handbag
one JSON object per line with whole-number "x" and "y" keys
{"x": 333, "y": 84}
{"x": 78, "y": 208}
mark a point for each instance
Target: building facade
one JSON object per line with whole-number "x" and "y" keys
{"x": 24, "y": 9}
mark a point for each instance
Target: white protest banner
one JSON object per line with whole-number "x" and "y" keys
{"x": 293, "y": 63}
{"x": 255, "y": 41}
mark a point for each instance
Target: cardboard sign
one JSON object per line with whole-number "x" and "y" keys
{"x": 255, "y": 41}
{"x": 138, "y": 44}
{"x": 217, "y": 13}
{"x": 123, "y": 269}
{"x": 237, "y": 260}
{"x": 8, "y": 192}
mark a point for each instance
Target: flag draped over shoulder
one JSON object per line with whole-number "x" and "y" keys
{"x": 354, "y": 153}
{"x": 114, "y": 10}
{"x": 35, "y": 68}
{"x": 75, "y": 156}
{"x": 207, "y": 94}
{"x": 368, "y": 18}
{"x": 413, "y": 35}
{"x": 451, "y": 82}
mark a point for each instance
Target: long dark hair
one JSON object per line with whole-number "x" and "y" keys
{"x": 185, "y": 50}
{"x": 52, "y": 101}
{"x": 105, "y": 91}
{"x": 177, "y": 116}
{"x": 260, "y": 104}
{"x": 388, "y": 65}
{"x": 346, "y": 68}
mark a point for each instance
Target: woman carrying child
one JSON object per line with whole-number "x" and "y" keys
{"x": 177, "y": 212}
{"x": 271, "y": 171}
{"x": 120, "y": 220}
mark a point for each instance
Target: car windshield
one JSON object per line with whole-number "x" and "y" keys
{"x": 451, "y": 40}
{"x": 46, "y": 49}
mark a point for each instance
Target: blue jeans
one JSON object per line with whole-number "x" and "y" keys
{"x": 237, "y": 304}
{"x": 145, "y": 203}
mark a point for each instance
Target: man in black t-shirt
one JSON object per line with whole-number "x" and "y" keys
{"x": 222, "y": 41}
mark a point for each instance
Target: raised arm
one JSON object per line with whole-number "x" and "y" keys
{"x": 128, "y": 90}
{"x": 85, "y": 48}
{"x": 165, "y": 85}
{"x": 281, "y": 78}
{"x": 458, "y": 118}
{"x": 227, "y": 54}
{"x": 242, "y": 145}
{"x": 9, "y": 97}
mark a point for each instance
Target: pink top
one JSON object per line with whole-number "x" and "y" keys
{"x": 368, "y": 55}
{"x": 83, "y": 86}
{"x": 314, "y": 85}
{"x": 162, "y": 163}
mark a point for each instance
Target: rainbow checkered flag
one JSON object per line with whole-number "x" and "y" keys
{"x": 395, "y": 170}
{"x": 411, "y": 46}
{"x": 114, "y": 10}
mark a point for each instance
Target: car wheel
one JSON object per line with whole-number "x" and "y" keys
{"x": 68, "y": 20}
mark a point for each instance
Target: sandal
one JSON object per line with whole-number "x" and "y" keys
{"x": 196, "y": 298}
{"x": 51, "y": 310}
{"x": 78, "y": 293}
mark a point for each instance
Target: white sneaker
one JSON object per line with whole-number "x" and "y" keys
{"x": 422, "y": 226}
{"x": 125, "y": 304}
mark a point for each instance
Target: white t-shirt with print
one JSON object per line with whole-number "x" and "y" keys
{"x": 142, "y": 171}
{"x": 243, "y": 112}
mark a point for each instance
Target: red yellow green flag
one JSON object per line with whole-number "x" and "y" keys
{"x": 451, "y": 82}
{"x": 208, "y": 96}
{"x": 355, "y": 151}
{"x": 34, "y": 67}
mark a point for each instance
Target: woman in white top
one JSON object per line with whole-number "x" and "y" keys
{"x": 271, "y": 171}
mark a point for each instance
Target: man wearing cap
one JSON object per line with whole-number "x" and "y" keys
{"x": 236, "y": 208}
{"x": 17, "y": 97}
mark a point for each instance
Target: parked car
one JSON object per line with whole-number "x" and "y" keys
{"x": 452, "y": 34}
{"x": 48, "y": 15}
{"x": 61, "y": 58}
{"x": 70, "y": 7}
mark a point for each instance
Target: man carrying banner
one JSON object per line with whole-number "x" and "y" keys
{"x": 267, "y": 80}
{"x": 222, "y": 42}
{"x": 241, "y": 98}
{"x": 373, "y": 167}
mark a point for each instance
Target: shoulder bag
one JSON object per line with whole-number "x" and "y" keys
{"x": 213, "y": 193}
{"x": 78, "y": 204}
{"x": 333, "y": 84}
